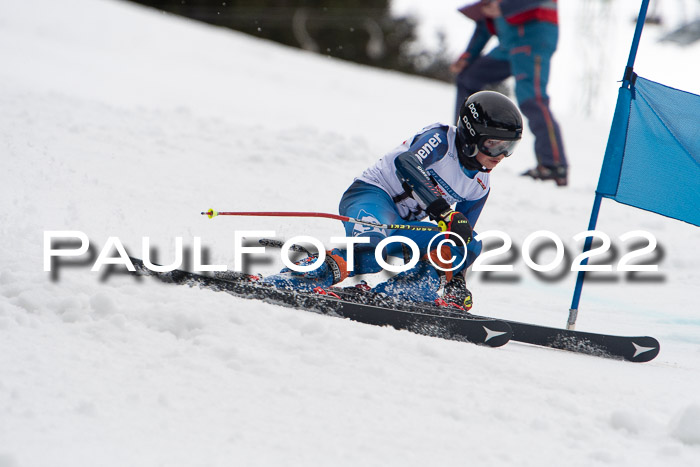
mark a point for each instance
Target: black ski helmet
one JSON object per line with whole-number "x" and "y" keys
{"x": 488, "y": 122}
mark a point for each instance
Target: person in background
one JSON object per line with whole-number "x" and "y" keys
{"x": 527, "y": 32}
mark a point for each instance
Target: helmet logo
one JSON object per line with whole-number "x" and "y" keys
{"x": 472, "y": 108}
{"x": 465, "y": 120}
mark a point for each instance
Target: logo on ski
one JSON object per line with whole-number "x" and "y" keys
{"x": 491, "y": 334}
{"x": 638, "y": 350}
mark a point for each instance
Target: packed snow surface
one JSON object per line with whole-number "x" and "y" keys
{"x": 120, "y": 121}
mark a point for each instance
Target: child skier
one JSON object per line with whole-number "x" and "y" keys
{"x": 443, "y": 173}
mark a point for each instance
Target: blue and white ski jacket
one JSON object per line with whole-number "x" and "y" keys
{"x": 436, "y": 149}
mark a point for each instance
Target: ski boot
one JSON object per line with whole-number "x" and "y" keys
{"x": 558, "y": 173}
{"x": 456, "y": 292}
{"x": 333, "y": 270}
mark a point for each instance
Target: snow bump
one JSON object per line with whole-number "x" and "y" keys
{"x": 685, "y": 427}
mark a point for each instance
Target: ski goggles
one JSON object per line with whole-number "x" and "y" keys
{"x": 496, "y": 147}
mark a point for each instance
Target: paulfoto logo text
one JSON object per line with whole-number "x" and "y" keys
{"x": 75, "y": 244}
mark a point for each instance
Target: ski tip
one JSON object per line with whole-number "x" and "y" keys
{"x": 210, "y": 213}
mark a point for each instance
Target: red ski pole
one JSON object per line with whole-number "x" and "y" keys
{"x": 211, "y": 213}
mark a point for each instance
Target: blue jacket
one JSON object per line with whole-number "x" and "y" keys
{"x": 515, "y": 13}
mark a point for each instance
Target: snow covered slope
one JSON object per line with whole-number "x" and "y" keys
{"x": 117, "y": 120}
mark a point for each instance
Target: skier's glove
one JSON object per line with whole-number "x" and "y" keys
{"x": 457, "y": 223}
{"x": 448, "y": 219}
{"x": 436, "y": 209}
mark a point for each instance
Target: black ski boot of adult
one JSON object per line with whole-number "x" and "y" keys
{"x": 558, "y": 173}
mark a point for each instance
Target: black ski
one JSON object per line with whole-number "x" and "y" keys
{"x": 631, "y": 348}
{"x": 427, "y": 319}
{"x": 410, "y": 317}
